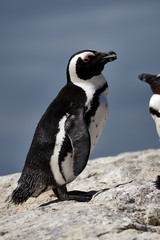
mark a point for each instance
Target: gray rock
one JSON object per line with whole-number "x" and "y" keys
{"x": 126, "y": 205}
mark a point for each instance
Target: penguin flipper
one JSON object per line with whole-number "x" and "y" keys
{"x": 79, "y": 136}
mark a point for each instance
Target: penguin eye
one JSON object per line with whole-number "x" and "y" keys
{"x": 86, "y": 60}
{"x": 88, "y": 57}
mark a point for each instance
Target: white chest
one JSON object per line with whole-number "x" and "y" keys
{"x": 157, "y": 122}
{"x": 155, "y": 104}
{"x": 99, "y": 119}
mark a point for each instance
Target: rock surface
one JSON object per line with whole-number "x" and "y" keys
{"x": 126, "y": 205}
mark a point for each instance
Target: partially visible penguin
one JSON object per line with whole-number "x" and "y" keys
{"x": 68, "y": 130}
{"x": 154, "y": 103}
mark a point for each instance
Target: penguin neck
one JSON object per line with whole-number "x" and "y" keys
{"x": 155, "y": 86}
{"x": 95, "y": 82}
{"x": 155, "y": 90}
{"x": 89, "y": 86}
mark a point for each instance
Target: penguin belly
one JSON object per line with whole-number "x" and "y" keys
{"x": 99, "y": 119}
{"x": 157, "y": 123}
{"x": 154, "y": 106}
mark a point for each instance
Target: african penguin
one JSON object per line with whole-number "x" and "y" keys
{"x": 68, "y": 130}
{"x": 154, "y": 103}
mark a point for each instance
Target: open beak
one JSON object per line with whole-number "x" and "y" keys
{"x": 105, "y": 57}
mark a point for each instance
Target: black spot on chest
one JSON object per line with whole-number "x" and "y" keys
{"x": 154, "y": 112}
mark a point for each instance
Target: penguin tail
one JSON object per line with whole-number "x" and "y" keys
{"x": 28, "y": 186}
{"x": 157, "y": 182}
{"x": 25, "y": 188}
{"x": 21, "y": 194}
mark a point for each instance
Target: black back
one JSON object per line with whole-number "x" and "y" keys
{"x": 68, "y": 99}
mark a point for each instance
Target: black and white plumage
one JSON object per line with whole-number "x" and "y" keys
{"x": 154, "y": 103}
{"x": 68, "y": 131}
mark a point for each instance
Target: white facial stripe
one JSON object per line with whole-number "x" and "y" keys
{"x": 54, "y": 163}
{"x": 72, "y": 65}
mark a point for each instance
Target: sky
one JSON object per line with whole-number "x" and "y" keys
{"x": 37, "y": 39}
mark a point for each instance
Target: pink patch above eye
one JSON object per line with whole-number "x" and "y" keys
{"x": 86, "y": 58}
{"x": 158, "y": 75}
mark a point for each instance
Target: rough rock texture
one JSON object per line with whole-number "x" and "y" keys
{"x": 126, "y": 205}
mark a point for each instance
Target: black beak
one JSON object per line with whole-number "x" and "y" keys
{"x": 105, "y": 57}
{"x": 149, "y": 78}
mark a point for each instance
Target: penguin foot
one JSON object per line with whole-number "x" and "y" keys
{"x": 79, "y": 196}
{"x": 157, "y": 182}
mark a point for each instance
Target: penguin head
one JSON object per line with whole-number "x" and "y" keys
{"x": 86, "y": 64}
{"x": 152, "y": 80}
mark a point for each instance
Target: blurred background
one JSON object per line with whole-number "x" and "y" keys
{"x": 37, "y": 37}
